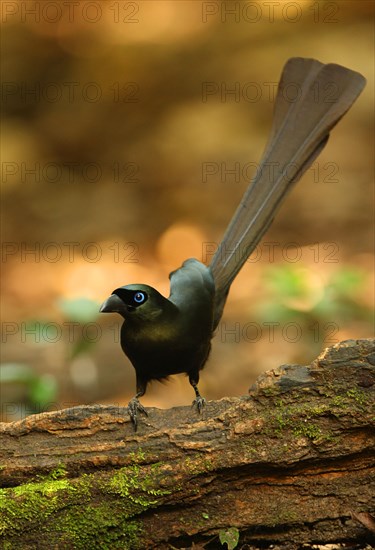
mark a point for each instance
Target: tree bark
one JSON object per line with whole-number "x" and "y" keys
{"x": 293, "y": 463}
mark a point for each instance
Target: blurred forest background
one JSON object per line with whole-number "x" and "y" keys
{"x": 129, "y": 133}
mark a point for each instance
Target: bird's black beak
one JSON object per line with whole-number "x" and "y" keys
{"x": 113, "y": 304}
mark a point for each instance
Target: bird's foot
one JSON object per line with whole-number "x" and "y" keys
{"x": 134, "y": 407}
{"x": 199, "y": 402}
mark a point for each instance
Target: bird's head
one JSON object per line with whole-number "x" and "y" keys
{"x": 137, "y": 301}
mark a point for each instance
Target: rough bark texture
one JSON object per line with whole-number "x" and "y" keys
{"x": 293, "y": 464}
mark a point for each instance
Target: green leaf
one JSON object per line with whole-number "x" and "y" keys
{"x": 230, "y": 537}
{"x": 16, "y": 372}
{"x": 43, "y": 390}
{"x": 288, "y": 281}
{"x": 82, "y": 310}
{"x": 347, "y": 281}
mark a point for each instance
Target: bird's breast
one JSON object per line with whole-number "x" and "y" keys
{"x": 164, "y": 349}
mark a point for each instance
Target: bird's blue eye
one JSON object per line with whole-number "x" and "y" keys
{"x": 139, "y": 297}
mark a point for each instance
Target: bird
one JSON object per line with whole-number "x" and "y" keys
{"x": 166, "y": 336}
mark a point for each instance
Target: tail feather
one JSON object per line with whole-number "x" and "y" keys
{"x": 311, "y": 99}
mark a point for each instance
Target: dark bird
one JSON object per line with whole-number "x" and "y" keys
{"x": 164, "y": 336}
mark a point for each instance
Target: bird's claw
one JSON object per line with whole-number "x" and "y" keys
{"x": 133, "y": 407}
{"x": 199, "y": 402}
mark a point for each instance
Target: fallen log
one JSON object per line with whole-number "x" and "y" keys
{"x": 293, "y": 463}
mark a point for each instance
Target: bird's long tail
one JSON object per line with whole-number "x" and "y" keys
{"x": 311, "y": 99}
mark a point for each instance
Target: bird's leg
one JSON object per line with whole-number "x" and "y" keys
{"x": 199, "y": 401}
{"x": 134, "y": 405}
